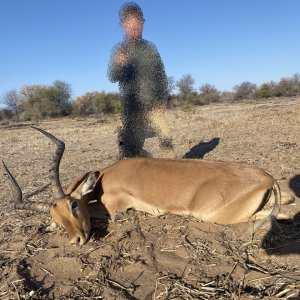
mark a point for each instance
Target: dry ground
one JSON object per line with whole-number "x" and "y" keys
{"x": 145, "y": 257}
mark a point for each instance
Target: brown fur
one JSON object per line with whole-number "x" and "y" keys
{"x": 219, "y": 192}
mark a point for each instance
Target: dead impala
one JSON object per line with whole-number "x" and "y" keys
{"x": 219, "y": 192}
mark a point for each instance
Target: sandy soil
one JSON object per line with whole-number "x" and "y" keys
{"x": 146, "y": 257}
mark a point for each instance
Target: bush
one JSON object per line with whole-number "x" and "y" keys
{"x": 6, "y": 114}
{"x": 244, "y": 90}
{"x": 286, "y": 87}
{"x": 39, "y": 102}
{"x": 97, "y": 103}
{"x": 208, "y": 94}
{"x": 264, "y": 91}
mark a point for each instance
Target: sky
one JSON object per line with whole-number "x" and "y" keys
{"x": 220, "y": 42}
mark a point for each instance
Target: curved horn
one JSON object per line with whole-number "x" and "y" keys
{"x": 19, "y": 204}
{"x": 54, "y": 170}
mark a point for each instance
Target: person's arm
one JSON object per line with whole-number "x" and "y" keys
{"x": 161, "y": 81}
{"x": 117, "y": 65}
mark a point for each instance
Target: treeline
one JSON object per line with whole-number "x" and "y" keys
{"x": 207, "y": 93}
{"x": 40, "y": 101}
{"x": 37, "y": 102}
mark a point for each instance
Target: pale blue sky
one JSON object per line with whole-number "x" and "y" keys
{"x": 221, "y": 42}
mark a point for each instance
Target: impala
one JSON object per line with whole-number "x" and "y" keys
{"x": 211, "y": 191}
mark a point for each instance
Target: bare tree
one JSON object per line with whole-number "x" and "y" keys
{"x": 296, "y": 82}
{"x": 186, "y": 85}
{"x": 12, "y": 100}
{"x": 244, "y": 90}
{"x": 209, "y": 93}
{"x": 207, "y": 88}
{"x": 285, "y": 88}
{"x": 171, "y": 84}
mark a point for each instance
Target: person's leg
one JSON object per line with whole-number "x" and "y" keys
{"x": 130, "y": 140}
{"x": 156, "y": 119}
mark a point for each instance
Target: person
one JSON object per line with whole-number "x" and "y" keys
{"x": 136, "y": 64}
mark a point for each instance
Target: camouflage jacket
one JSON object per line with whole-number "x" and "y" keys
{"x": 142, "y": 80}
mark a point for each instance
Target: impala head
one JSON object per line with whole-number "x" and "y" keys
{"x": 69, "y": 210}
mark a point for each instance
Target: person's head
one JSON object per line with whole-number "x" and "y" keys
{"x": 132, "y": 20}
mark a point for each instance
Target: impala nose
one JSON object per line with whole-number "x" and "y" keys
{"x": 78, "y": 240}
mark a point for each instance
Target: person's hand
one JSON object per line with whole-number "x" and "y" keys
{"x": 121, "y": 59}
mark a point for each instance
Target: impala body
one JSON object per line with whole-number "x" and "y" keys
{"x": 211, "y": 191}
{"x": 224, "y": 193}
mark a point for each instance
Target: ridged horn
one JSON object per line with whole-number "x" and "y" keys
{"x": 19, "y": 204}
{"x": 57, "y": 189}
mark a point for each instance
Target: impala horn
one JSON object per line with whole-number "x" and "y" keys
{"x": 54, "y": 174}
{"x": 57, "y": 190}
{"x": 19, "y": 203}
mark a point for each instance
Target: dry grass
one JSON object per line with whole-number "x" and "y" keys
{"x": 145, "y": 257}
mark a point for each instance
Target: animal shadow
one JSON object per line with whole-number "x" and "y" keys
{"x": 294, "y": 185}
{"x": 283, "y": 238}
{"x": 99, "y": 229}
{"x": 99, "y": 220}
{"x": 202, "y": 148}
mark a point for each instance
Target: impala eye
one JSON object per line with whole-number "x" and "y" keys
{"x": 74, "y": 205}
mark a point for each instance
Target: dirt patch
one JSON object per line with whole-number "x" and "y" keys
{"x": 146, "y": 257}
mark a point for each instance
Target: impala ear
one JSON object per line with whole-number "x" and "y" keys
{"x": 90, "y": 183}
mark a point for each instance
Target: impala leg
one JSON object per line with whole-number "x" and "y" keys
{"x": 115, "y": 206}
{"x": 286, "y": 198}
{"x": 97, "y": 211}
{"x": 265, "y": 213}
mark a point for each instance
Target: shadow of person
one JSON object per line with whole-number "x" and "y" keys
{"x": 202, "y": 148}
{"x": 294, "y": 185}
{"x": 283, "y": 238}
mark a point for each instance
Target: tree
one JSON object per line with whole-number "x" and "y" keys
{"x": 83, "y": 105}
{"x": 5, "y": 114}
{"x": 41, "y": 101}
{"x": 208, "y": 93}
{"x": 107, "y": 103}
{"x": 171, "y": 88}
{"x": 171, "y": 85}
{"x": 186, "y": 85}
{"x": 97, "y": 103}
{"x": 12, "y": 100}
{"x": 32, "y": 102}
{"x": 244, "y": 90}
{"x": 296, "y": 83}
{"x": 285, "y": 88}
{"x": 264, "y": 91}
{"x": 62, "y": 93}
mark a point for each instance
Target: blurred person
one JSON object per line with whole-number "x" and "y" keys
{"x": 136, "y": 64}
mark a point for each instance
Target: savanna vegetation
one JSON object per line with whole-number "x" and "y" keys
{"x": 35, "y": 102}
